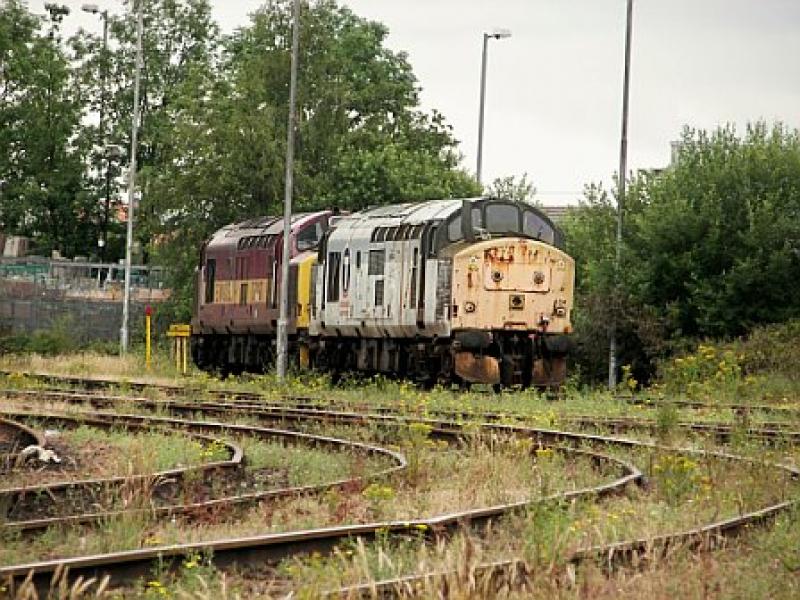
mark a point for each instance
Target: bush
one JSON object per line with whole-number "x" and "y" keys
{"x": 58, "y": 339}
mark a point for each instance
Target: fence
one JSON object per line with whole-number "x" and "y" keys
{"x": 38, "y": 294}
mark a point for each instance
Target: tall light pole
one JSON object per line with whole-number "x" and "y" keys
{"x": 498, "y": 34}
{"x": 623, "y": 169}
{"x": 126, "y": 302}
{"x": 94, "y": 10}
{"x": 283, "y": 317}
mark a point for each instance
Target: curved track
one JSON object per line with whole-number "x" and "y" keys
{"x": 14, "y": 438}
{"x": 449, "y": 426}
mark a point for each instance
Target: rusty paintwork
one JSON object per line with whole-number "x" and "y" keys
{"x": 551, "y": 372}
{"x": 477, "y": 369}
{"x": 513, "y": 284}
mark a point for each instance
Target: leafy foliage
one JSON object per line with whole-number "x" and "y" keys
{"x": 42, "y": 175}
{"x": 717, "y": 241}
{"x": 711, "y": 247}
{"x": 521, "y": 190}
{"x": 362, "y": 139}
{"x": 213, "y": 126}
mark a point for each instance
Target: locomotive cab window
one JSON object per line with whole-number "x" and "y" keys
{"x": 477, "y": 217}
{"x": 211, "y": 275}
{"x": 454, "y": 229}
{"x": 308, "y": 238}
{"x": 502, "y": 218}
{"x": 334, "y": 269}
{"x": 536, "y": 227}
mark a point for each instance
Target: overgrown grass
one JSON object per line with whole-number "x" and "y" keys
{"x": 683, "y": 491}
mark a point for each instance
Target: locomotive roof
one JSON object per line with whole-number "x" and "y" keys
{"x": 409, "y": 213}
{"x": 363, "y": 224}
{"x": 273, "y": 226}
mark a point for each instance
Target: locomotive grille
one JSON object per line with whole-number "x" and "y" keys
{"x": 444, "y": 284}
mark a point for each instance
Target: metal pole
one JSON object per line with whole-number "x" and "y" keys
{"x": 482, "y": 105}
{"x": 103, "y": 94}
{"x": 147, "y": 338}
{"x": 126, "y": 303}
{"x": 623, "y": 169}
{"x": 283, "y": 338}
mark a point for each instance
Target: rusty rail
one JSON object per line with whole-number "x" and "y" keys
{"x": 272, "y": 547}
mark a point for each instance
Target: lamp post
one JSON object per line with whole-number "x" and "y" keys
{"x": 623, "y": 168}
{"x": 283, "y": 317}
{"x": 94, "y": 10}
{"x": 126, "y": 301}
{"x": 498, "y": 34}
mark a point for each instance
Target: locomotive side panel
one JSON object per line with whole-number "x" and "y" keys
{"x": 239, "y": 283}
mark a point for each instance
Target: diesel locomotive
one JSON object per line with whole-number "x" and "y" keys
{"x": 466, "y": 291}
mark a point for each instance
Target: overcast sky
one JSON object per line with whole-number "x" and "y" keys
{"x": 554, "y": 89}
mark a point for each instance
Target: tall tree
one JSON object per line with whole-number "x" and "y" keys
{"x": 41, "y": 160}
{"x": 180, "y": 39}
{"x": 717, "y": 243}
{"x": 362, "y": 137}
{"x": 712, "y": 246}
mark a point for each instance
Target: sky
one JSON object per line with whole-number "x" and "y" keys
{"x": 554, "y": 89}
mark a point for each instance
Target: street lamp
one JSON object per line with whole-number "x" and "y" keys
{"x": 95, "y": 10}
{"x": 623, "y": 169}
{"x": 126, "y": 302}
{"x": 497, "y": 34}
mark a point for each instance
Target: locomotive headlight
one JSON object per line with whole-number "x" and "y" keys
{"x": 497, "y": 276}
{"x": 469, "y": 307}
{"x": 538, "y": 278}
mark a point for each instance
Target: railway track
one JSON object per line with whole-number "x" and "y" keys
{"x": 14, "y": 438}
{"x": 452, "y": 427}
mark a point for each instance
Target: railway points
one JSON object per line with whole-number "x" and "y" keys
{"x": 623, "y": 462}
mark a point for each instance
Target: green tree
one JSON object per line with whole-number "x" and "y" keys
{"x": 362, "y": 138}
{"x": 180, "y": 39}
{"x": 711, "y": 248}
{"x": 590, "y": 232}
{"x": 42, "y": 162}
{"x": 716, "y": 246}
{"x": 521, "y": 189}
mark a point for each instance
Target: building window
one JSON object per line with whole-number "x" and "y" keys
{"x": 243, "y": 294}
{"x": 379, "y": 292}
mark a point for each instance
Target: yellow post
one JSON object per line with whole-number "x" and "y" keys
{"x": 180, "y": 345}
{"x": 147, "y": 343}
{"x": 185, "y": 355}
